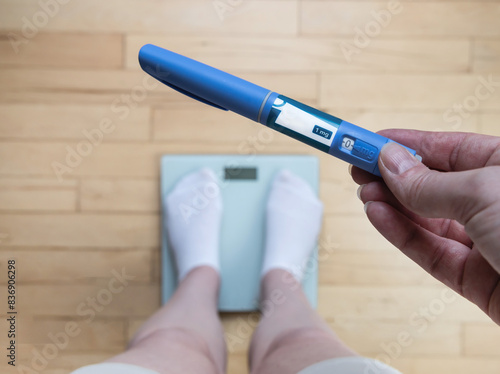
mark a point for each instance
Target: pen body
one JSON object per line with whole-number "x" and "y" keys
{"x": 214, "y": 87}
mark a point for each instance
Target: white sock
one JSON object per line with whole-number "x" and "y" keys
{"x": 294, "y": 216}
{"x": 193, "y": 214}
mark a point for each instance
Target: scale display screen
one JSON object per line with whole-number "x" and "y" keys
{"x": 239, "y": 173}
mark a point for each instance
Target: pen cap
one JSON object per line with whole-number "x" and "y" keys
{"x": 205, "y": 83}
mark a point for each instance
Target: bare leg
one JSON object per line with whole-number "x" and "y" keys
{"x": 185, "y": 335}
{"x": 291, "y": 336}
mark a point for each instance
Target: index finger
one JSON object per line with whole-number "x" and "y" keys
{"x": 449, "y": 151}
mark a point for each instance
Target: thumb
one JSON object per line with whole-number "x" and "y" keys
{"x": 429, "y": 193}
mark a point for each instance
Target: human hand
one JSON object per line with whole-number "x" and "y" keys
{"x": 446, "y": 218}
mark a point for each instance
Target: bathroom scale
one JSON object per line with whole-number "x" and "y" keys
{"x": 245, "y": 183}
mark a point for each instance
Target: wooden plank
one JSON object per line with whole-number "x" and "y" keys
{"x": 238, "y": 330}
{"x": 133, "y": 326}
{"x": 411, "y": 92}
{"x": 71, "y": 301}
{"x": 310, "y": 54}
{"x": 54, "y": 371}
{"x": 179, "y": 17}
{"x": 237, "y": 363}
{"x": 70, "y": 80}
{"x": 489, "y": 123}
{"x": 29, "y": 121}
{"x": 415, "y": 307}
{"x": 354, "y": 231}
{"x": 115, "y": 89}
{"x": 204, "y": 124}
{"x": 391, "y": 340}
{"x": 486, "y": 56}
{"x": 125, "y": 231}
{"x": 407, "y": 119}
{"x": 371, "y": 268}
{"x": 135, "y": 160}
{"x": 339, "y": 197}
{"x": 88, "y": 97}
{"x": 455, "y": 365}
{"x": 97, "y": 335}
{"x": 37, "y": 158}
{"x": 120, "y": 195}
{"x": 156, "y": 267}
{"x": 72, "y": 361}
{"x": 82, "y": 265}
{"x": 481, "y": 339}
{"x": 333, "y": 169}
{"x": 61, "y": 50}
{"x": 64, "y": 362}
{"x": 120, "y": 160}
{"x": 37, "y": 194}
{"x": 107, "y": 86}
{"x": 452, "y": 18}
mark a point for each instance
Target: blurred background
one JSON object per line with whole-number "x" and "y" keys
{"x": 82, "y": 131}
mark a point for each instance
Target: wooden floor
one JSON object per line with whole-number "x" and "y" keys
{"x": 72, "y": 212}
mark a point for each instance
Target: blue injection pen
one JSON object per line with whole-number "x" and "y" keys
{"x": 214, "y": 87}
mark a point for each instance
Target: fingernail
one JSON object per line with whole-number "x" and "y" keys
{"x": 350, "y": 169}
{"x": 397, "y": 159}
{"x": 358, "y": 192}
{"x": 366, "y": 205}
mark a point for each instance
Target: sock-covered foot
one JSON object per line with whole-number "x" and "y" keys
{"x": 193, "y": 214}
{"x": 294, "y": 216}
